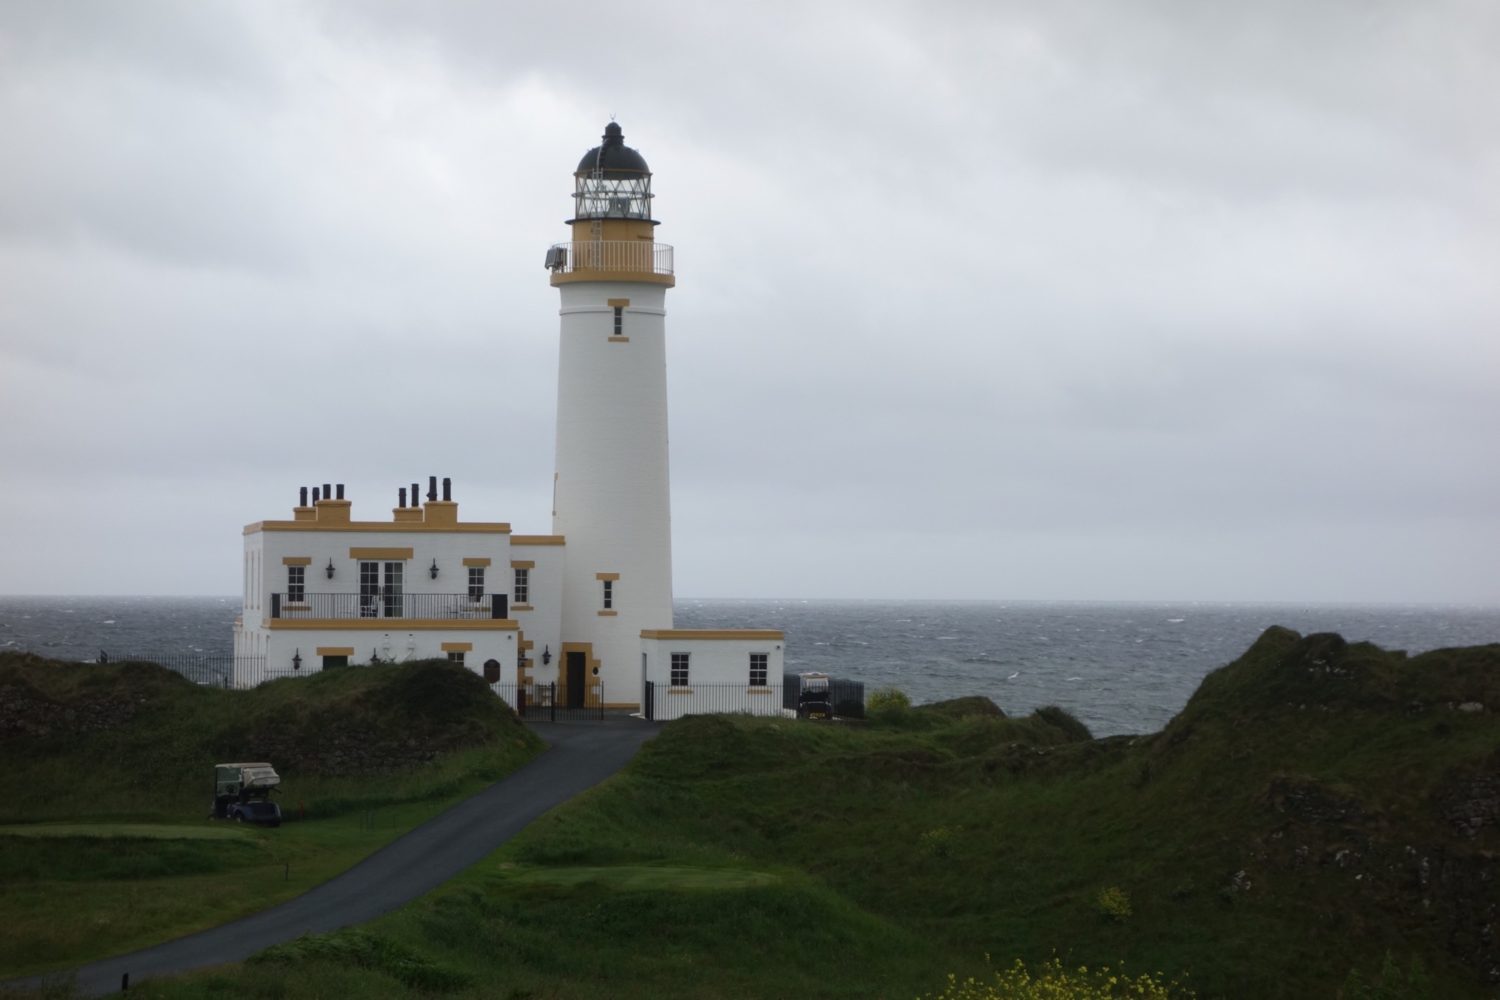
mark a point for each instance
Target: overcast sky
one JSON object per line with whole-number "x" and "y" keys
{"x": 1088, "y": 300}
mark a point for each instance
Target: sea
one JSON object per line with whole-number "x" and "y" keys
{"x": 1119, "y": 667}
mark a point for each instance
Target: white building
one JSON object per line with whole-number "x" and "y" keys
{"x": 587, "y": 607}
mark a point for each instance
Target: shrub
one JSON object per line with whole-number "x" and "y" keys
{"x": 1113, "y": 903}
{"x": 887, "y": 699}
{"x": 937, "y": 842}
{"x": 1050, "y": 981}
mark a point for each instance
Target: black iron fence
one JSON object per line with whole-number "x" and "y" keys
{"x": 389, "y": 605}
{"x": 226, "y": 671}
{"x": 552, "y": 702}
{"x": 665, "y": 702}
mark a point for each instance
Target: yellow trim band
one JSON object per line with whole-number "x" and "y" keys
{"x": 296, "y": 560}
{"x": 538, "y": 539}
{"x": 476, "y": 561}
{"x": 422, "y": 527}
{"x": 607, "y": 614}
{"x": 522, "y": 563}
{"x": 708, "y": 633}
{"x": 617, "y": 303}
{"x": 335, "y": 650}
{"x": 606, "y": 576}
{"x": 389, "y": 552}
{"x": 457, "y": 647}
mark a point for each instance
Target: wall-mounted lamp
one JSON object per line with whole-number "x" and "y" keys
{"x": 546, "y": 655}
{"x": 329, "y": 570}
{"x": 297, "y": 659}
{"x": 374, "y": 656}
{"x": 433, "y": 570}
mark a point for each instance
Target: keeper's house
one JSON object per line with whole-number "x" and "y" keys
{"x": 587, "y": 608}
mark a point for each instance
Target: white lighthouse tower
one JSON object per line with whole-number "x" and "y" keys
{"x": 611, "y": 489}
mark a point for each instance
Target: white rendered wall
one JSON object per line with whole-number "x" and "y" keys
{"x": 542, "y": 625}
{"x": 718, "y": 675}
{"x": 393, "y": 644}
{"x": 612, "y": 490}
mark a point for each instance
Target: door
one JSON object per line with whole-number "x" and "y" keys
{"x": 577, "y": 668}
{"x": 369, "y": 589}
{"x": 391, "y": 591}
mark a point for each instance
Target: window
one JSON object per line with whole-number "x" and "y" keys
{"x": 679, "y": 670}
{"x": 758, "y": 662}
{"x": 523, "y": 586}
{"x": 456, "y": 657}
{"x": 619, "y": 321}
{"x": 609, "y": 595}
{"x": 296, "y": 584}
{"x": 476, "y": 583}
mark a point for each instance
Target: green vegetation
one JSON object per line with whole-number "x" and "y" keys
{"x": 1322, "y": 818}
{"x": 105, "y": 845}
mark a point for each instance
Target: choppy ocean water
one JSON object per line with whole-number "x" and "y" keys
{"x": 1121, "y": 668}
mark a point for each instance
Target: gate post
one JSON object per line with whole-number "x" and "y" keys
{"x": 553, "y": 700}
{"x": 650, "y": 706}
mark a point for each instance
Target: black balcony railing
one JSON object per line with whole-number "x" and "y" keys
{"x": 389, "y": 605}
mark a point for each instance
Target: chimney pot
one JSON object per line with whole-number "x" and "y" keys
{"x": 432, "y": 487}
{"x": 402, "y": 491}
{"x": 302, "y": 499}
{"x": 327, "y": 492}
{"x": 340, "y": 488}
{"x": 447, "y": 489}
{"x": 315, "y": 494}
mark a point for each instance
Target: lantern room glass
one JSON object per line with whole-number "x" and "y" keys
{"x": 597, "y": 196}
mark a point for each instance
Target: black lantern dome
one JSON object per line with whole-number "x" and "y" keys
{"x": 612, "y": 181}
{"x": 612, "y": 158}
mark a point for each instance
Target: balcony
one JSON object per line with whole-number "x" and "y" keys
{"x": 386, "y": 606}
{"x": 606, "y": 260}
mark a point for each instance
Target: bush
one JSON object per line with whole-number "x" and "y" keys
{"x": 887, "y": 699}
{"x": 1050, "y": 981}
{"x": 1113, "y": 903}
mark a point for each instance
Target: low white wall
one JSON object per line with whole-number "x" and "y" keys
{"x": 718, "y": 671}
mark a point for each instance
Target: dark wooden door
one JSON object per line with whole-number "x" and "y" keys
{"x": 577, "y": 667}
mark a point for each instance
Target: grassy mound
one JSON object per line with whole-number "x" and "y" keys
{"x": 136, "y": 740}
{"x": 1319, "y": 810}
{"x": 104, "y": 841}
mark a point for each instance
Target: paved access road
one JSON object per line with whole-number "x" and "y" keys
{"x": 581, "y": 754}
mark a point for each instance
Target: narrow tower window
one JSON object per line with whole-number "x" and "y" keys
{"x": 619, "y": 321}
{"x": 609, "y": 594}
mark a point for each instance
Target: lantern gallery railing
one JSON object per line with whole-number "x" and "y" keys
{"x": 637, "y": 257}
{"x": 389, "y": 605}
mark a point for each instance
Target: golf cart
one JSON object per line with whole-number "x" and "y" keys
{"x": 242, "y": 792}
{"x": 815, "y": 698}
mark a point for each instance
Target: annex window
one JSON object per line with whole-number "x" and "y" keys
{"x": 609, "y": 595}
{"x": 476, "y": 583}
{"x": 758, "y": 667}
{"x": 679, "y": 670}
{"x": 296, "y": 584}
{"x": 456, "y": 657}
{"x": 523, "y": 585}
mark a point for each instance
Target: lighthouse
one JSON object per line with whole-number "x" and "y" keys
{"x": 611, "y": 486}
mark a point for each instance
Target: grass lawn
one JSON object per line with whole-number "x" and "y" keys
{"x": 105, "y": 847}
{"x": 1292, "y": 826}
